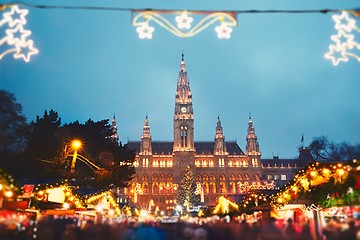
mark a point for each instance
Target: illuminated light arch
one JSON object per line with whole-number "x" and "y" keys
{"x": 143, "y": 18}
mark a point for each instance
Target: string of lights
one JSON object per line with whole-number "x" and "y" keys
{"x": 344, "y": 47}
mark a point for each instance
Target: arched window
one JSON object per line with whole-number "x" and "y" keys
{"x": 169, "y": 178}
{"x": 183, "y": 136}
{"x": 135, "y": 178}
{"x": 155, "y": 188}
{"x": 257, "y": 178}
{"x": 246, "y": 176}
{"x": 239, "y": 177}
{"x": 144, "y": 178}
{"x": 205, "y": 178}
{"x": 212, "y": 178}
{"x": 155, "y": 178}
{"x": 232, "y": 177}
{"x": 222, "y": 177}
{"x": 162, "y": 177}
{"x": 145, "y": 187}
{"x": 198, "y": 177}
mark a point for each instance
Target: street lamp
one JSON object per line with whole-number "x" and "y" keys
{"x": 76, "y": 144}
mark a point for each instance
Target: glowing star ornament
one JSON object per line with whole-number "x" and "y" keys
{"x": 223, "y": 31}
{"x": 145, "y": 31}
{"x": 343, "y": 21}
{"x": 344, "y": 41}
{"x": 16, "y": 36}
{"x": 331, "y": 55}
{"x": 184, "y": 21}
{"x": 29, "y": 45}
{"x": 8, "y": 16}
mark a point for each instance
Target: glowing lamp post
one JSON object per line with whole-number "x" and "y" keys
{"x": 76, "y": 144}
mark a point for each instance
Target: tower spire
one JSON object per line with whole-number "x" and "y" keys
{"x": 145, "y": 148}
{"x": 252, "y": 145}
{"x": 220, "y": 147}
{"x": 183, "y": 114}
{"x": 114, "y": 135}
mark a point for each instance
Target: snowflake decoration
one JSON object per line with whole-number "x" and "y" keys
{"x": 145, "y": 31}
{"x": 223, "y": 31}
{"x": 184, "y": 21}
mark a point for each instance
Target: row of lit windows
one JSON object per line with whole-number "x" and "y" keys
{"x": 205, "y": 177}
{"x": 276, "y": 177}
{"x": 199, "y": 163}
{"x": 210, "y": 163}
{"x": 208, "y": 188}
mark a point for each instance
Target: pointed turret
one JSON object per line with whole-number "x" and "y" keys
{"x": 114, "y": 136}
{"x": 183, "y": 114}
{"x": 145, "y": 148}
{"x": 252, "y": 146}
{"x": 219, "y": 138}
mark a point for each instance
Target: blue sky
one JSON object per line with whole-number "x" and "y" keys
{"x": 91, "y": 64}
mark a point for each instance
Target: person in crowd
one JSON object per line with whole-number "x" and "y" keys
{"x": 350, "y": 233}
{"x": 270, "y": 231}
{"x": 290, "y": 231}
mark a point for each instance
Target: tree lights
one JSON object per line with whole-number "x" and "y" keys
{"x": 16, "y": 37}
{"x": 338, "y": 177}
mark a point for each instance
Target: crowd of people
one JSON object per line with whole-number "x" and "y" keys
{"x": 68, "y": 229}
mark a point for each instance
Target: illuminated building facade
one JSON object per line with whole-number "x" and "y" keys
{"x": 219, "y": 167}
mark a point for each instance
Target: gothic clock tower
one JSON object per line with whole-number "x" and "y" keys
{"x": 184, "y": 118}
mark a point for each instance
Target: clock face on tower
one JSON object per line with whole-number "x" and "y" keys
{"x": 183, "y": 109}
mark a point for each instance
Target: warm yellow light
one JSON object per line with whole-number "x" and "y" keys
{"x": 143, "y": 213}
{"x": 313, "y": 173}
{"x": 294, "y": 188}
{"x": 1, "y": 187}
{"x": 99, "y": 208}
{"x": 280, "y": 200}
{"x": 66, "y": 205}
{"x": 341, "y": 172}
{"x": 9, "y": 194}
{"x": 76, "y": 144}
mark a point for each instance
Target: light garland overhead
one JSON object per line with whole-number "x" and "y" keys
{"x": 344, "y": 45}
{"x": 16, "y": 37}
{"x": 142, "y": 21}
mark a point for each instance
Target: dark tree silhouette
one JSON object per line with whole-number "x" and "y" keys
{"x": 322, "y": 149}
{"x": 12, "y": 124}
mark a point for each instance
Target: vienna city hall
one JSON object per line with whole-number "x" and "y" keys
{"x": 219, "y": 167}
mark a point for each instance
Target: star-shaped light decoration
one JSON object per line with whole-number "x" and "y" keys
{"x": 184, "y": 21}
{"x": 348, "y": 25}
{"x": 17, "y": 35}
{"x": 344, "y": 45}
{"x": 29, "y": 46}
{"x": 223, "y": 31}
{"x": 344, "y": 40}
{"x": 8, "y": 17}
{"x": 145, "y": 31}
{"x": 333, "y": 49}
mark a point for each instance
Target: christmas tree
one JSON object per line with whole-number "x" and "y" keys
{"x": 186, "y": 193}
